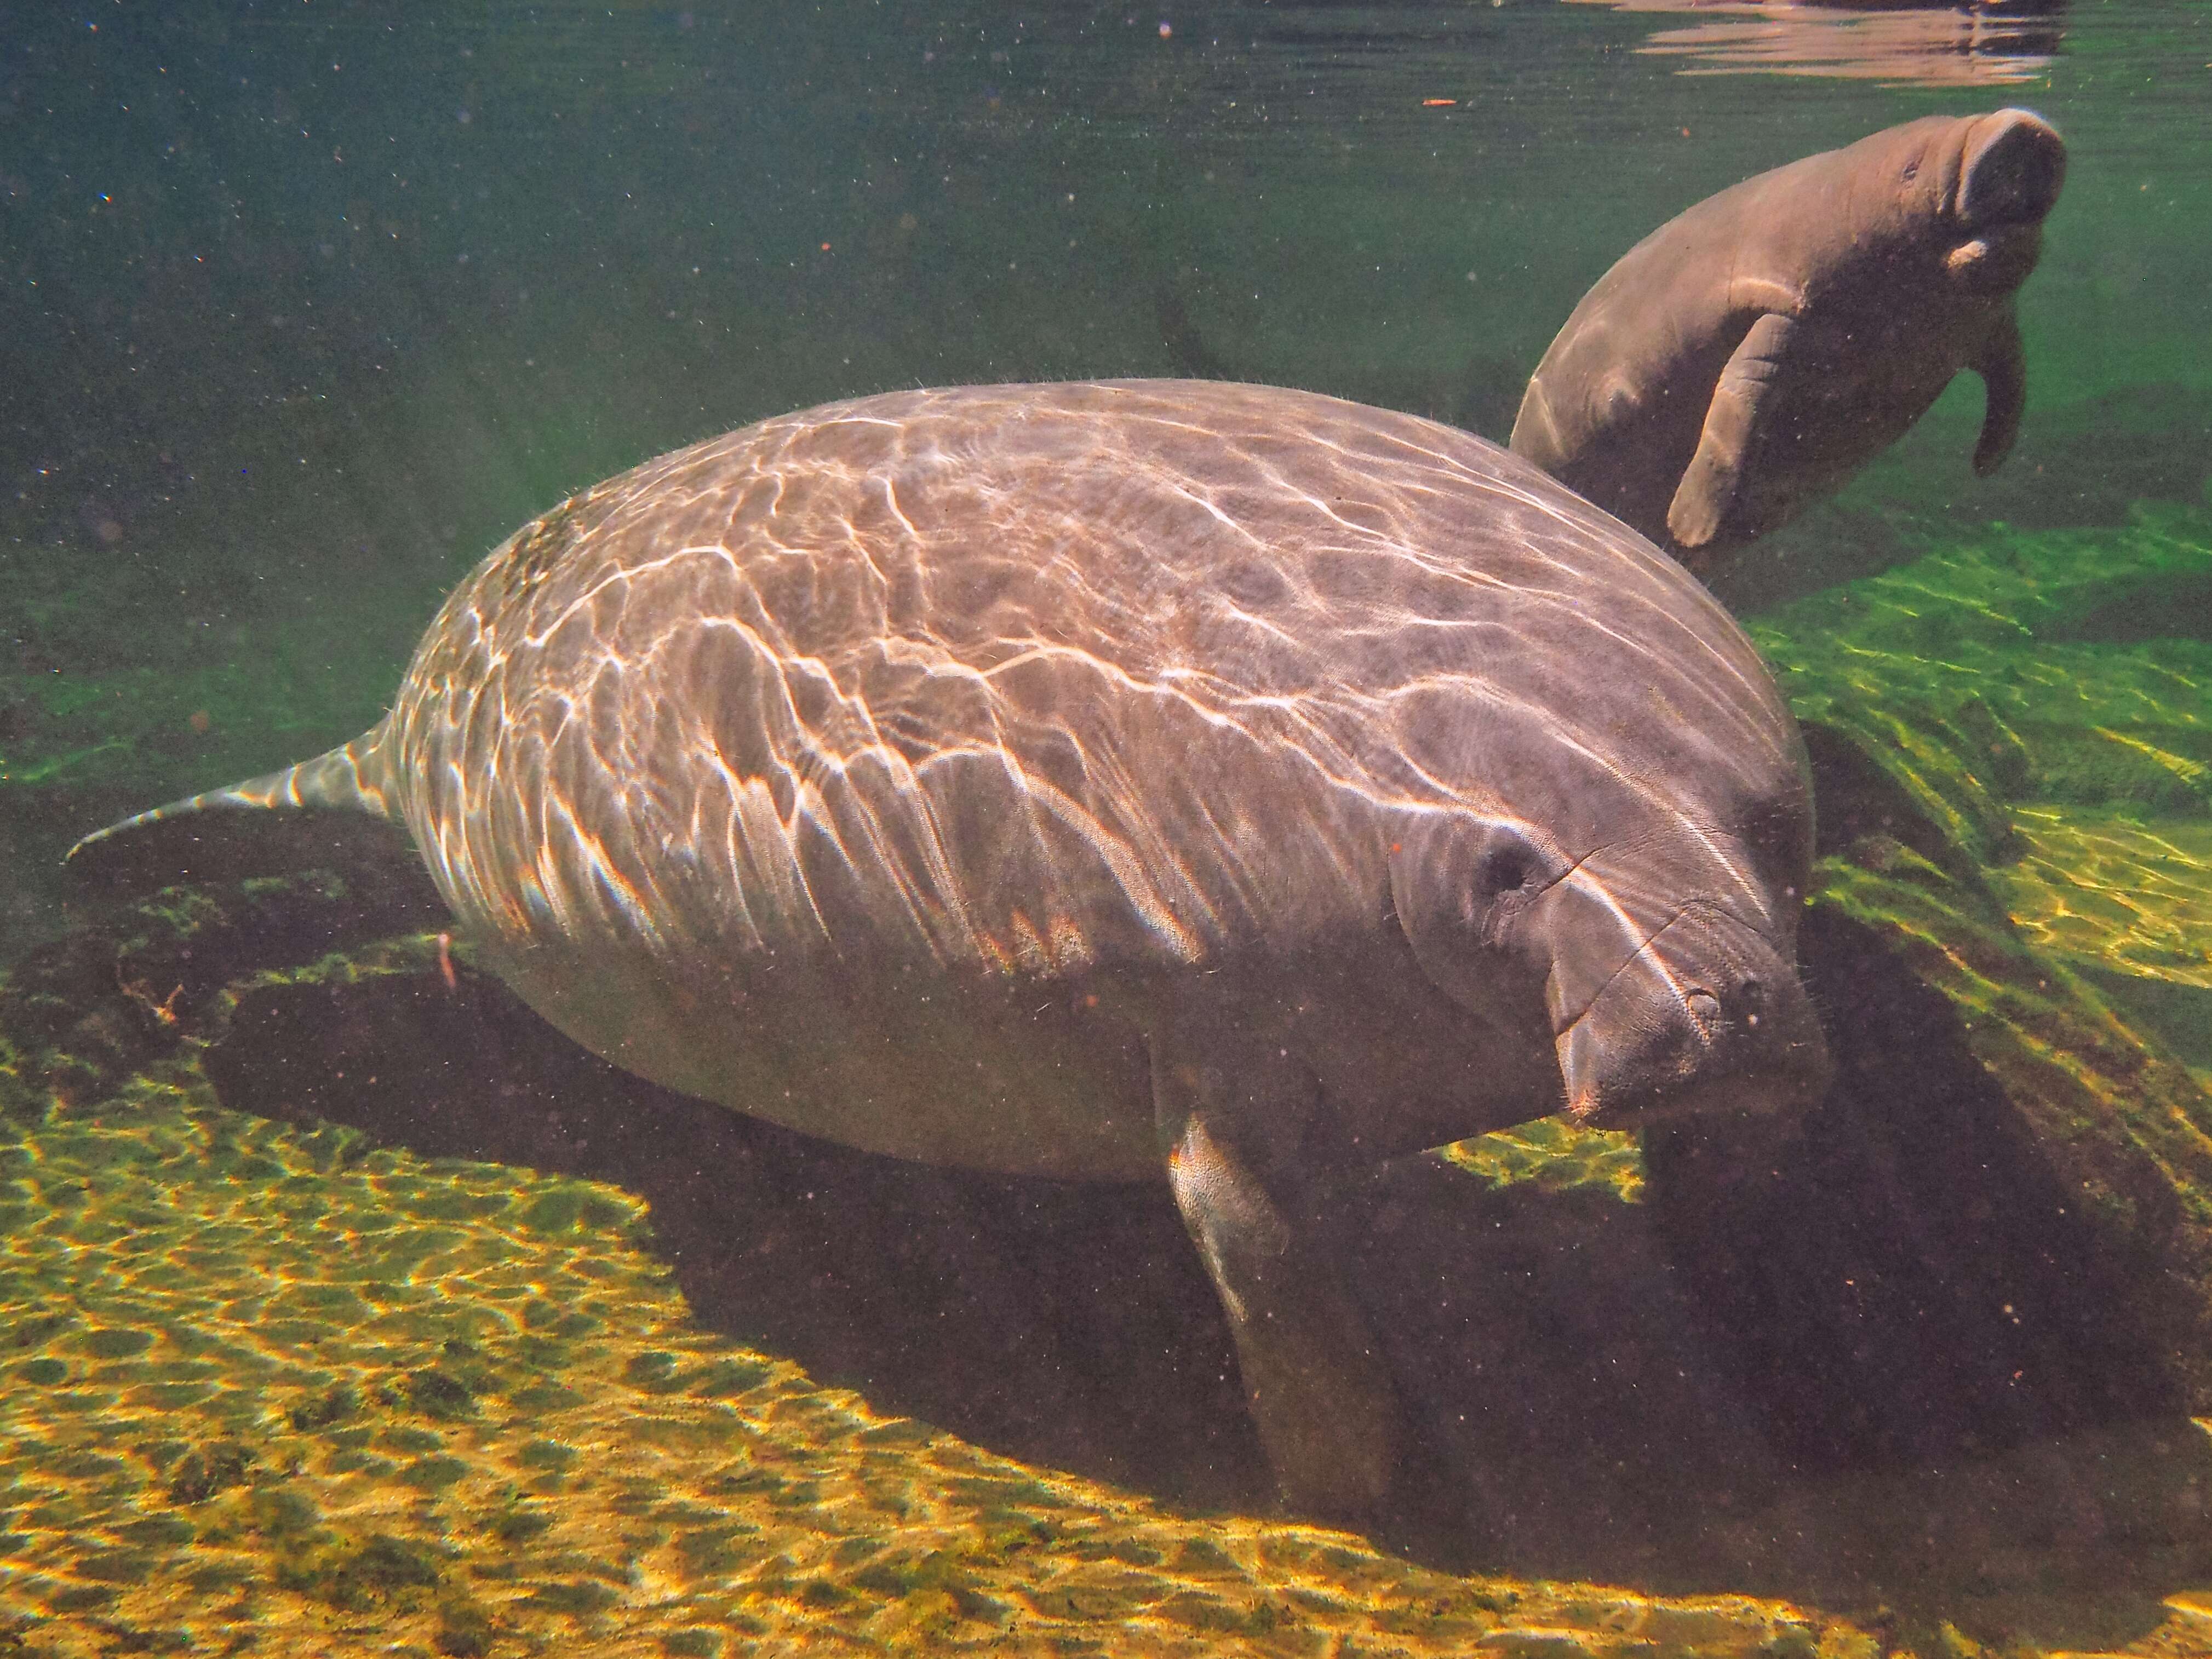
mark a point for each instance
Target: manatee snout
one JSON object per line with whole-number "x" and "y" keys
{"x": 2012, "y": 165}
{"x": 1660, "y": 997}
{"x": 1707, "y": 1016}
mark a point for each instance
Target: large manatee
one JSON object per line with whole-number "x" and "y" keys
{"x": 1748, "y": 357}
{"x": 1109, "y": 779}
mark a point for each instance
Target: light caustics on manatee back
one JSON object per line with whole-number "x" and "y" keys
{"x": 1024, "y": 681}
{"x": 1041, "y": 777}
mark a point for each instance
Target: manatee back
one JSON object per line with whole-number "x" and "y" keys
{"x": 1030, "y": 680}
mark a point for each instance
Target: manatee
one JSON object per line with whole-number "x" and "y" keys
{"x": 1118, "y": 781}
{"x": 1747, "y": 358}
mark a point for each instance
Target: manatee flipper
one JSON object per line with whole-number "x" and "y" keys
{"x": 1709, "y": 483}
{"x": 1326, "y": 1409}
{"x": 2003, "y": 369}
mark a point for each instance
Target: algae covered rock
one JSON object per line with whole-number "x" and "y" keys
{"x": 2013, "y": 810}
{"x": 2030, "y": 714}
{"x": 2014, "y": 813}
{"x": 1981, "y": 671}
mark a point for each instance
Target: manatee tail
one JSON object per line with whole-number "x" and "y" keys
{"x": 355, "y": 777}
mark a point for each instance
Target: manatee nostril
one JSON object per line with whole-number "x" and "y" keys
{"x": 1747, "y": 999}
{"x": 1704, "y": 1007}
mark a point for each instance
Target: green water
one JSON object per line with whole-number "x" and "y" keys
{"x": 304, "y": 306}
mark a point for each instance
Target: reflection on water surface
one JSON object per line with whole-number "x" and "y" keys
{"x": 1996, "y": 43}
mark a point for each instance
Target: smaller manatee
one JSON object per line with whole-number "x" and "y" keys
{"x": 1748, "y": 357}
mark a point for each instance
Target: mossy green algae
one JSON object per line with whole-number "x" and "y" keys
{"x": 1961, "y": 679}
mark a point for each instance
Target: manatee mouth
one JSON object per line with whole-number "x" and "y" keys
{"x": 1755, "y": 1095}
{"x": 1723, "y": 1028}
{"x": 1998, "y": 260}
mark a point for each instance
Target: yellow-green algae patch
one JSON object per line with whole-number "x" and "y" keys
{"x": 1556, "y": 1155}
{"x": 2107, "y": 888}
{"x": 273, "y": 1389}
{"x": 2043, "y": 737}
{"x": 1974, "y": 680}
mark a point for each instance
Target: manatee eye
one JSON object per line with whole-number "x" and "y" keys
{"x": 1505, "y": 870}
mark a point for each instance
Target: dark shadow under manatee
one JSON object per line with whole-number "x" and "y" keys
{"x": 1069, "y": 1325}
{"x": 1909, "y": 1283}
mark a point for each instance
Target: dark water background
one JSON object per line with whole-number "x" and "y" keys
{"x": 304, "y": 306}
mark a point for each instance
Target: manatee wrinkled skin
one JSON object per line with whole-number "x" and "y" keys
{"x": 1748, "y": 357}
{"x": 1104, "y": 779}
